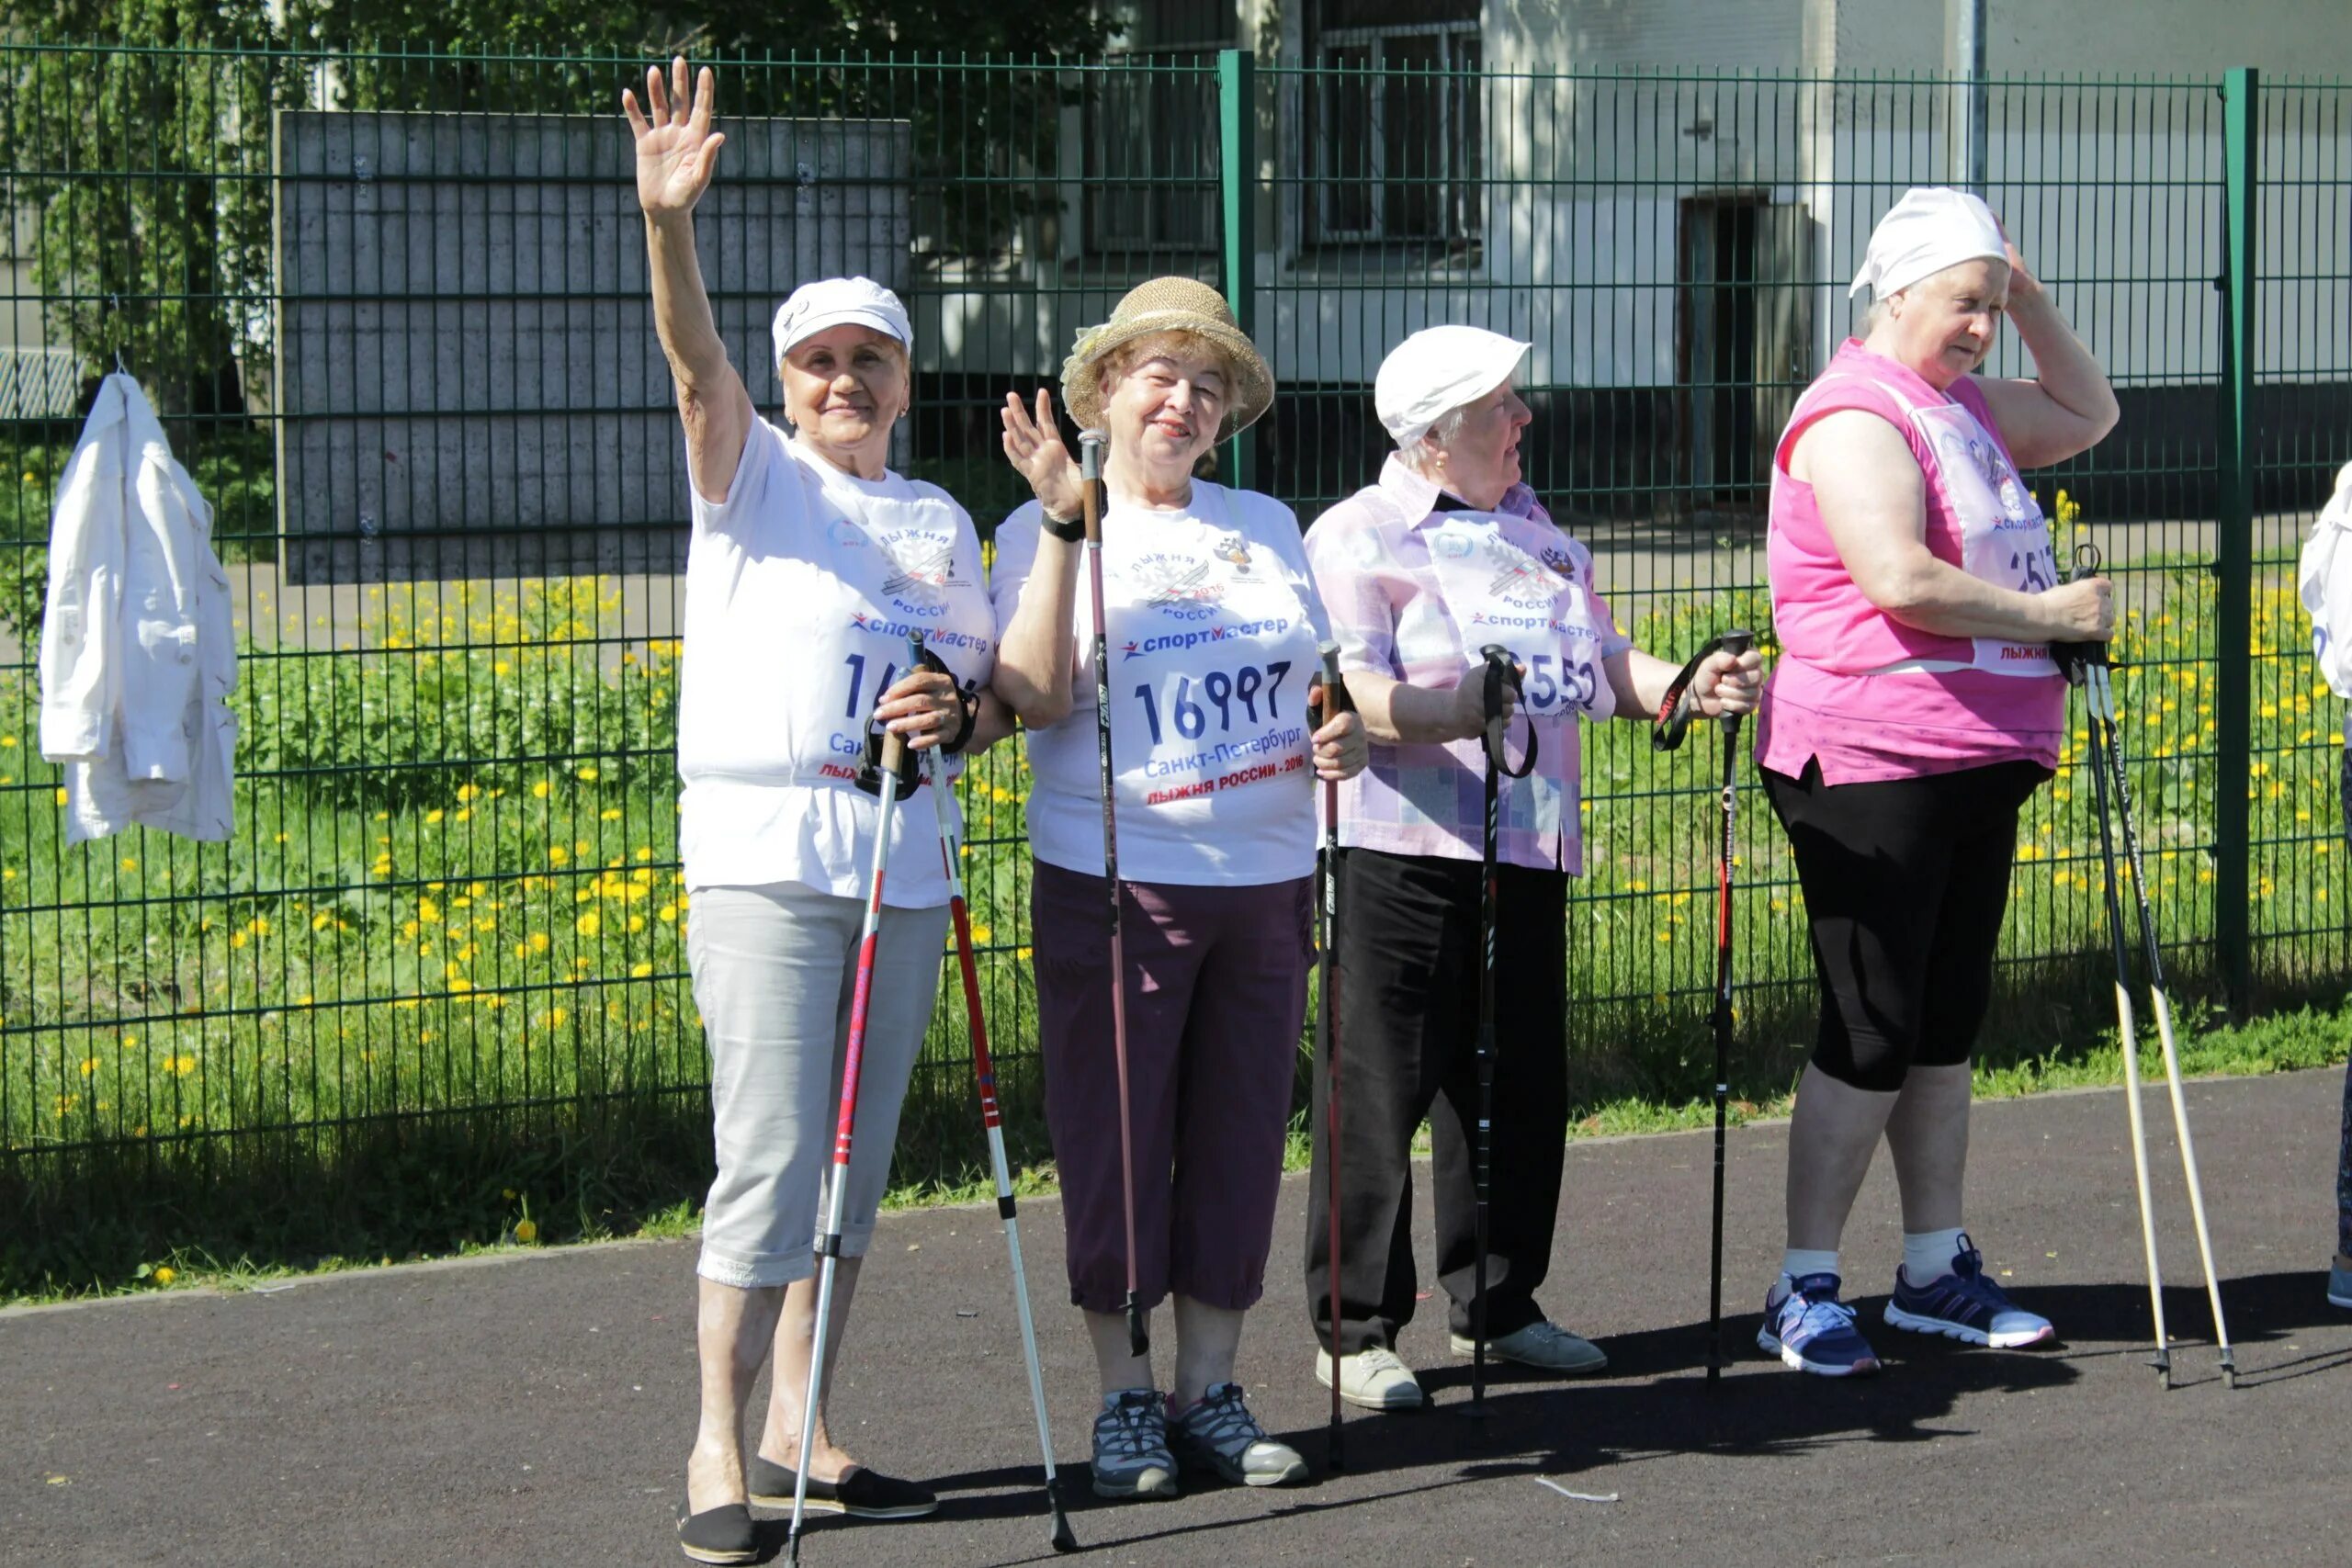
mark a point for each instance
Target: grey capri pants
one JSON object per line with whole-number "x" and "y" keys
{"x": 775, "y": 969}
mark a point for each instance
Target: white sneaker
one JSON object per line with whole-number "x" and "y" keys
{"x": 1373, "y": 1378}
{"x": 1542, "y": 1345}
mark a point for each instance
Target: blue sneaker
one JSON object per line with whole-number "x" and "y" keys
{"x": 1809, "y": 1328}
{"x": 1967, "y": 1307}
{"x": 2339, "y": 1281}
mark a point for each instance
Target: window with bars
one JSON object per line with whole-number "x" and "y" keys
{"x": 1395, "y": 121}
{"x": 1151, "y": 140}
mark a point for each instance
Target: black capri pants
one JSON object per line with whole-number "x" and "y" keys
{"x": 1905, "y": 882}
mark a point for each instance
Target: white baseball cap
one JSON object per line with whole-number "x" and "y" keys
{"x": 1933, "y": 227}
{"x": 840, "y": 302}
{"x": 1436, "y": 370}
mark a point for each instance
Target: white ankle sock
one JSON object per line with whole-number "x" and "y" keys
{"x": 1928, "y": 1254}
{"x": 1797, "y": 1262}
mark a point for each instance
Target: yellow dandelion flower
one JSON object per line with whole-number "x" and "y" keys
{"x": 525, "y": 1231}
{"x": 165, "y": 1275}
{"x": 588, "y": 924}
{"x": 539, "y": 790}
{"x": 639, "y": 971}
{"x": 129, "y": 864}
{"x": 89, "y": 1066}
{"x": 432, "y": 817}
{"x": 558, "y": 855}
{"x": 587, "y": 775}
{"x": 610, "y": 814}
{"x": 60, "y": 794}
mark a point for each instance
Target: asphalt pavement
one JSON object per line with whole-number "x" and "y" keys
{"x": 535, "y": 1408}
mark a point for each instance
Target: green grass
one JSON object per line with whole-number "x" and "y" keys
{"x": 440, "y": 962}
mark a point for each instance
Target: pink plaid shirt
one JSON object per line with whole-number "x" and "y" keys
{"x": 1415, "y": 585}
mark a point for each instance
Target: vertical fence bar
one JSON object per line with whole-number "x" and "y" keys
{"x": 1237, "y": 94}
{"x": 2233, "y": 535}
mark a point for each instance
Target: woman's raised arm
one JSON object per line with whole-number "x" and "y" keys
{"x": 677, "y": 152}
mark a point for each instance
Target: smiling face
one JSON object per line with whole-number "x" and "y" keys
{"x": 1944, "y": 325}
{"x": 1474, "y": 450}
{"x": 844, "y": 389}
{"x": 1164, "y": 402}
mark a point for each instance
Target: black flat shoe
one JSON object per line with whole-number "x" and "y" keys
{"x": 716, "y": 1535}
{"x": 862, "y": 1493}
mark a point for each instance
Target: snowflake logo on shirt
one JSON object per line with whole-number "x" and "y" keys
{"x": 1175, "y": 582}
{"x": 1518, "y": 578}
{"x": 922, "y": 568}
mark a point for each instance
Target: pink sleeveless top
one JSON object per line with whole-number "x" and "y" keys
{"x": 1868, "y": 697}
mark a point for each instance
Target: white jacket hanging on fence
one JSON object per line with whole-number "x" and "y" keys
{"x": 137, "y": 652}
{"x": 2324, "y": 577}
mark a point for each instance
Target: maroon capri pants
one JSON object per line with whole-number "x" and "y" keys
{"x": 1216, "y": 992}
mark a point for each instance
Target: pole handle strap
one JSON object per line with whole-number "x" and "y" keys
{"x": 1672, "y": 720}
{"x": 887, "y": 752}
{"x": 2075, "y": 659}
{"x": 1502, "y": 669}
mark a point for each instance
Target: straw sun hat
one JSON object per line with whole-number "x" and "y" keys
{"x": 1169, "y": 305}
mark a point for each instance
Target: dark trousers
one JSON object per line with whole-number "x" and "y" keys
{"x": 1905, "y": 882}
{"x": 1408, "y": 960}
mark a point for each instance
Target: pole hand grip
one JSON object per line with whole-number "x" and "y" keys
{"x": 1090, "y": 473}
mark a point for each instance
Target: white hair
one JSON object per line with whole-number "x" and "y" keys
{"x": 1421, "y": 456}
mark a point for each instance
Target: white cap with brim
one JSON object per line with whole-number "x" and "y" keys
{"x": 1437, "y": 370}
{"x": 840, "y": 302}
{"x": 1933, "y": 227}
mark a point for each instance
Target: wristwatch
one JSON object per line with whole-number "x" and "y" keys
{"x": 1069, "y": 530}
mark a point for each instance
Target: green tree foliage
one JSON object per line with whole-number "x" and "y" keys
{"x": 144, "y": 176}
{"x": 142, "y": 162}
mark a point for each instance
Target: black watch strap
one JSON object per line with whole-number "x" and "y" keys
{"x": 1069, "y": 530}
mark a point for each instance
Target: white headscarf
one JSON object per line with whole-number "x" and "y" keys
{"x": 1930, "y": 229}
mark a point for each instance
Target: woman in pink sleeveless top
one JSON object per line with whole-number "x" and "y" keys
{"x": 1914, "y": 708}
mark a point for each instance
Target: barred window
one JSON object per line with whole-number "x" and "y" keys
{"x": 1151, "y": 142}
{"x": 1395, "y": 122}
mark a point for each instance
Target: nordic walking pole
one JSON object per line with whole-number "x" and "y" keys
{"x": 1665, "y": 735}
{"x": 1090, "y": 446}
{"x": 2103, "y": 712}
{"x": 2078, "y": 659}
{"x": 984, "y": 1070}
{"x": 1502, "y": 669}
{"x": 1336, "y": 702}
{"x": 893, "y": 760}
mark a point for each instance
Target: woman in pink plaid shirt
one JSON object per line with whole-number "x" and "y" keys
{"x": 1448, "y": 552}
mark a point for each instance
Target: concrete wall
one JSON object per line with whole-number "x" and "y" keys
{"x": 467, "y": 370}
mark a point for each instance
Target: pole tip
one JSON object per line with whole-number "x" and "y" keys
{"x": 1063, "y": 1540}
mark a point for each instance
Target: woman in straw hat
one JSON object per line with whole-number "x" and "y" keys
{"x": 1914, "y": 709}
{"x": 807, "y": 558}
{"x": 1213, "y": 623}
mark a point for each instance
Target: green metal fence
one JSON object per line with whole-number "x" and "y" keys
{"x": 391, "y": 307}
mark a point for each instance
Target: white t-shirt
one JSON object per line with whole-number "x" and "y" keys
{"x": 1213, "y": 623}
{"x": 800, "y": 588}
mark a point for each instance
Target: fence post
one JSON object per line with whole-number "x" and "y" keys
{"x": 1237, "y": 92}
{"x": 2234, "y": 539}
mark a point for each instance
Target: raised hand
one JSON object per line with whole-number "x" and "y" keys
{"x": 676, "y": 150}
{"x": 2023, "y": 285}
{"x": 1033, "y": 446}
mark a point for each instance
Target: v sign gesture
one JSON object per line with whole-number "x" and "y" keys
{"x": 676, "y": 150}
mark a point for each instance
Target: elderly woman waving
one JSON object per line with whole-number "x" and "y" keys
{"x": 807, "y": 557}
{"x": 1449, "y": 551}
{"x": 1213, "y": 624}
{"x": 1914, "y": 709}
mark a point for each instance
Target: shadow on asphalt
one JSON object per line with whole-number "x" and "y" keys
{"x": 1657, "y": 1403}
